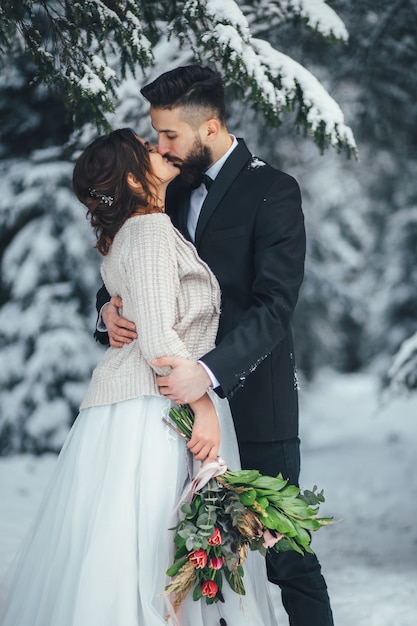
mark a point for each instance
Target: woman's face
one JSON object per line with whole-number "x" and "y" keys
{"x": 163, "y": 170}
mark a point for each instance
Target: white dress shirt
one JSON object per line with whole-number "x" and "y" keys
{"x": 197, "y": 198}
{"x": 199, "y": 195}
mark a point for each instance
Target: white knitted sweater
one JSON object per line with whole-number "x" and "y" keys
{"x": 170, "y": 294}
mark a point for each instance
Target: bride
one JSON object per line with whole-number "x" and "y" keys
{"x": 98, "y": 550}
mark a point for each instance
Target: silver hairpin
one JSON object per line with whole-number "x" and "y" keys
{"x": 95, "y": 193}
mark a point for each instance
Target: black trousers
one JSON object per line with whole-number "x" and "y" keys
{"x": 303, "y": 588}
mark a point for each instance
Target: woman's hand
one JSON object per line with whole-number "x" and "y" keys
{"x": 205, "y": 441}
{"x": 186, "y": 382}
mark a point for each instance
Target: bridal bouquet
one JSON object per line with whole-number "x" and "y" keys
{"x": 225, "y": 514}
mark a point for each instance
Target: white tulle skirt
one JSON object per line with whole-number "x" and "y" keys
{"x": 98, "y": 550}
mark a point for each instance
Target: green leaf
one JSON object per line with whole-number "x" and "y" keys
{"x": 187, "y": 509}
{"x": 207, "y": 529}
{"x": 193, "y": 543}
{"x": 263, "y": 502}
{"x": 285, "y": 544}
{"x": 248, "y": 497}
{"x": 241, "y": 477}
{"x": 234, "y": 578}
{"x": 279, "y": 522}
{"x": 182, "y": 551}
{"x": 202, "y": 520}
{"x": 175, "y": 567}
{"x": 218, "y": 577}
{"x": 179, "y": 541}
{"x": 268, "y": 482}
{"x": 290, "y": 491}
{"x": 309, "y": 524}
{"x": 302, "y": 536}
{"x": 266, "y": 492}
{"x": 197, "y": 592}
{"x": 311, "y": 497}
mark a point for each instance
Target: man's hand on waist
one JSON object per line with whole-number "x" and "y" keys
{"x": 120, "y": 330}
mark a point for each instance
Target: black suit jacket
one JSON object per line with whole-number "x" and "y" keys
{"x": 251, "y": 234}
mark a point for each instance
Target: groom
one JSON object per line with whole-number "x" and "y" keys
{"x": 246, "y": 221}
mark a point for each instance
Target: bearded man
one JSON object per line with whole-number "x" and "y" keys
{"x": 246, "y": 221}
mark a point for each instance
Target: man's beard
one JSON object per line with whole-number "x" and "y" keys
{"x": 197, "y": 161}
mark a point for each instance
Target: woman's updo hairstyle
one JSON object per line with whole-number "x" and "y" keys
{"x": 100, "y": 183}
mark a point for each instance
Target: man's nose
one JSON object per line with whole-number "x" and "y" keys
{"x": 162, "y": 146}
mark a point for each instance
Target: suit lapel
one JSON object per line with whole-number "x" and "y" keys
{"x": 230, "y": 170}
{"x": 183, "y": 206}
{"x": 178, "y": 202}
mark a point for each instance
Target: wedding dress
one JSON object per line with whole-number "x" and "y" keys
{"x": 99, "y": 547}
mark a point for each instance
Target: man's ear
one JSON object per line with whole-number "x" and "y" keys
{"x": 212, "y": 128}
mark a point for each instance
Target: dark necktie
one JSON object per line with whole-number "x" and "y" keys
{"x": 203, "y": 178}
{"x": 194, "y": 211}
{"x": 207, "y": 181}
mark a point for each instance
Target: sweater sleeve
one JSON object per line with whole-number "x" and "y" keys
{"x": 152, "y": 280}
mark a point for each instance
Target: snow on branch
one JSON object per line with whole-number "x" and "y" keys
{"x": 402, "y": 375}
{"x": 221, "y": 31}
{"x": 83, "y": 50}
{"x": 80, "y": 50}
{"x": 316, "y": 15}
{"x": 319, "y": 17}
{"x": 323, "y": 116}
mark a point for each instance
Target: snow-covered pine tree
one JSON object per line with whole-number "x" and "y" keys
{"x": 394, "y": 305}
{"x": 49, "y": 269}
{"x": 357, "y": 301}
{"x": 49, "y": 277}
{"x": 401, "y": 377}
{"x": 81, "y": 50}
{"x": 381, "y": 61}
{"x": 84, "y": 49}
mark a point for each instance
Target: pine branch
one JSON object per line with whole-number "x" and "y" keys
{"x": 269, "y": 77}
{"x": 315, "y": 15}
{"x": 83, "y": 50}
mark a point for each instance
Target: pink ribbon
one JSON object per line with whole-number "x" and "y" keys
{"x": 205, "y": 473}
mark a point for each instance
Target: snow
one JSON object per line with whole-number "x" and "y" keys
{"x": 361, "y": 454}
{"x": 321, "y": 17}
{"x": 317, "y": 14}
{"x": 257, "y": 61}
{"x": 90, "y": 82}
{"x": 322, "y": 108}
{"x": 256, "y": 163}
{"x": 228, "y": 13}
{"x": 403, "y": 367}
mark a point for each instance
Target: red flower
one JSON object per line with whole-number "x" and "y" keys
{"x": 209, "y": 588}
{"x": 216, "y": 562}
{"x": 198, "y": 558}
{"x": 216, "y": 538}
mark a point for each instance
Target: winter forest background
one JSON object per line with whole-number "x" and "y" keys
{"x": 358, "y": 306}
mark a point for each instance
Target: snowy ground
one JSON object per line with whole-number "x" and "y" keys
{"x": 362, "y": 455}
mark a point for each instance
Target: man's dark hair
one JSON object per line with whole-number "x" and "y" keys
{"x": 188, "y": 86}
